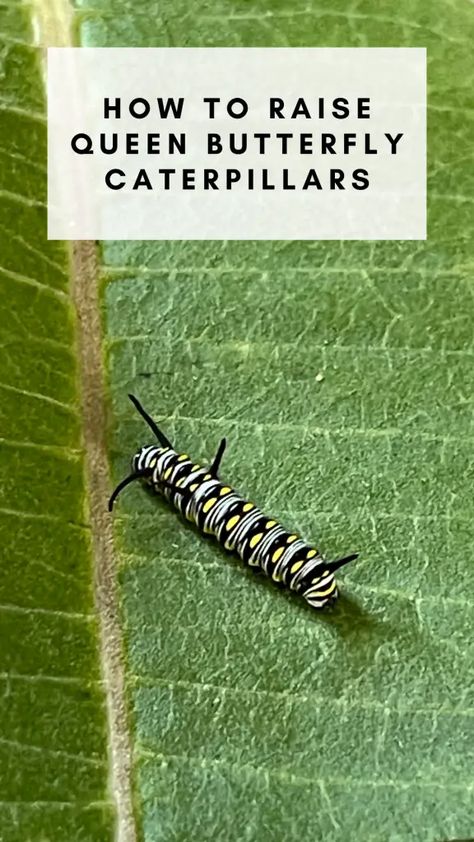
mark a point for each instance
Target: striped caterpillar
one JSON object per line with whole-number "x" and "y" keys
{"x": 239, "y": 526}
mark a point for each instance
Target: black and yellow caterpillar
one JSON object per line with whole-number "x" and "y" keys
{"x": 238, "y": 525}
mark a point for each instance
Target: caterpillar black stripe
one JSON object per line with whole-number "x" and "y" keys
{"x": 237, "y": 524}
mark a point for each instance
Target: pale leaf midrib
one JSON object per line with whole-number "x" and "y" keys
{"x": 53, "y": 26}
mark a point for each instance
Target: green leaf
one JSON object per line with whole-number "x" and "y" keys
{"x": 53, "y": 749}
{"x": 254, "y": 718}
{"x": 341, "y": 374}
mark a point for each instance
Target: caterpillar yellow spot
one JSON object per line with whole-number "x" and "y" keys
{"x": 194, "y": 486}
{"x": 311, "y": 553}
{"x": 195, "y": 467}
{"x": 297, "y": 566}
{"x": 210, "y": 503}
{"x": 247, "y": 507}
{"x": 232, "y": 522}
{"x": 168, "y": 473}
{"x": 276, "y": 577}
{"x": 225, "y": 490}
{"x": 153, "y": 462}
{"x": 207, "y": 476}
{"x": 291, "y": 538}
{"x": 277, "y": 554}
{"x": 183, "y": 457}
{"x": 255, "y": 540}
{"x": 270, "y": 523}
{"x": 328, "y": 591}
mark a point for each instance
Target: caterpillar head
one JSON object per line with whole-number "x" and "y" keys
{"x": 144, "y": 460}
{"x": 143, "y": 463}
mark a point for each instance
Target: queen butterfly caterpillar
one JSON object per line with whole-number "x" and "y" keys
{"x": 217, "y": 510}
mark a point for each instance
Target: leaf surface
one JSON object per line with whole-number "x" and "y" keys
{"x": 255, "y": 719}
{"x": 53, "y": 748}
{"x": 341, "y": 374}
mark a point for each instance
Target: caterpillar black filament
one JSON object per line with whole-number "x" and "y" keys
{"x": 238, "y": 525}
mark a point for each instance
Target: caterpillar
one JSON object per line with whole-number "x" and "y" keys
{"x": 238, "y": 525}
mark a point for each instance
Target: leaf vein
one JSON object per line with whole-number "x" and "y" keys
{"x": 27, "y": 747}
{"x": 345, "y": 703}
{"x": 39, "y": 396}
{"x": 246, "y": 345}
{"x": 143, "y": 752}
{"x": 48, "y": 612}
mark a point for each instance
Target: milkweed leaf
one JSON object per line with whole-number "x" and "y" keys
{"x": 340, "y": 374}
